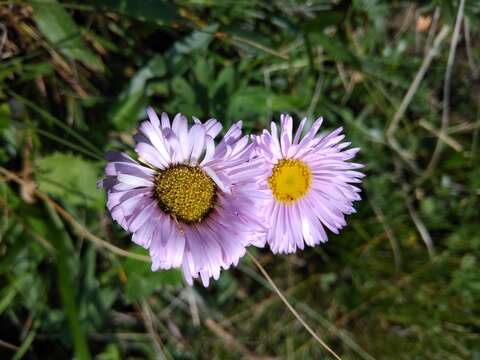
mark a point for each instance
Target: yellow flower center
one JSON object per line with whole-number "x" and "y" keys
{"x": 290, "y": 180}
{"x": 185, "y": 192}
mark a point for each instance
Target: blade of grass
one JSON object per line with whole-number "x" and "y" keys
{"x": 66, "y": 285}
{"x": 60, "y": 140}
{"x": 446, "y": 94}
{"x": 332, "y": 328}
{"x": 47, "y": 116}
{"x": 290, "y": 307}
{"x": 25, "y": 344}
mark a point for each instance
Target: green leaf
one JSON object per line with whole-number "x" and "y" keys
{"x": 203, "y": 71}
{"x": 7, "y": 295}
{"x": 335, "y": 48}
{"x": 225, "y": 79}
{"x": 150, "y": 10}
{"x": 249, "y": 100}
{"x": 111, "y": 352}
{"x": 27, "y": 342}
{"x": 132, "y": 101}
{"x": 70, "y": 178}
{"x": 199, "y": 39}
{"x": 142, "y": 281}
{"x": 5, "y": 116}
{"x": 183, "y": 90}
{"x": 59, "y": 28}
{"x": 258, "y": 100}
{"x": 322, "y": 20}
{"x": 253, "y": 42}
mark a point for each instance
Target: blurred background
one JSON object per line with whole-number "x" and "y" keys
{"x": 401, "y": 281}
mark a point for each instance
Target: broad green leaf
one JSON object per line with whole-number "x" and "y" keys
{"x": 249, "y": 100}
{"x": 287, "y": 103}
{"x": 183, "y": 90}
{"x": 203, "y": 71}
{"x": 59, "y": 28}
{"x": 258, "y": 100}
{"x": 225, "y": 79}
{"x": 132, "y": 101}
{"x": 70, "y": 178}
{"x": 199, "y": 39}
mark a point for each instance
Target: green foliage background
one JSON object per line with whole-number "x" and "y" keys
{"x": 402, "y": 281}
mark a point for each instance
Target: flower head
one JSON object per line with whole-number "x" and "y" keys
{"x": 187, "y": 201}
{"x": 308, "y": 181}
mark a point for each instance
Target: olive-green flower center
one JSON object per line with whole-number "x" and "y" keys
{"x": 185, "y": 192}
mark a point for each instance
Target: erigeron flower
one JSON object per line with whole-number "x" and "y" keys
{"x": 190, "y": 202}
{"x": 309, "y": 181}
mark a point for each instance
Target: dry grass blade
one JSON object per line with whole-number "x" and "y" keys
{"x": 455, "y": 145}
{"x": 390, "y": 234}
{"x": 446, "y": 93}
{"x": 427, "y": 60}
{"x": 422, "y": 229}
{"x": 392, "y": 128}
{"x": 7, "y": 345}
{"x": 150, "y": 326}
{"x": 290, "y": 307}
{"x": 468, "y": 47}
{"x": 230, "y": 340}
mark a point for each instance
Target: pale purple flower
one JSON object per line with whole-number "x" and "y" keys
{"x": 187, "y": 201}
{"x": 309, "y": 182}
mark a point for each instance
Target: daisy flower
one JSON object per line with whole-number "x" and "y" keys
{"x": 187, "y": 201}
{"x": 309, "y": 184}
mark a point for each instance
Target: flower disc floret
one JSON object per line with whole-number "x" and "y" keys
{"x": 185, "y": 192}
{"x": 290, "y": 180}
